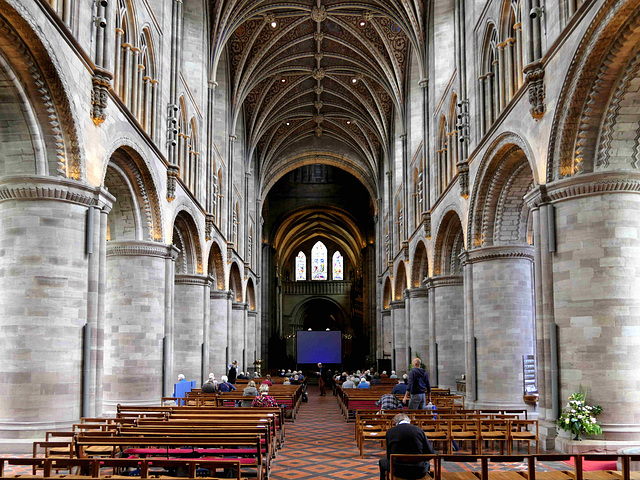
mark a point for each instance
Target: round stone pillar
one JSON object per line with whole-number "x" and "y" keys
{"x": 218, "y": 332}
{"x": 503, "y": 324}
{"x": 399, "y": 335}
{"x": 596, "y": 287}
{"x": 237, "y": 345}
{"x": 447, "y": 342}
{"x": 418, "y": 300}
{"x": 385, "y": 338}
{"x": 252, "y": 351}
{"x": 46, "y": 287}
{"x": 134, "y": 322}
{"x": 188, "y": 330}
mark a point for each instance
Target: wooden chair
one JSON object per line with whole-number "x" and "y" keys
{"x": 495, "y": 431}
{"x": 463, "y": 432}
{"x": 373, "y": 430}
{"x": 395, "y": 459}
{"x": 437, "y": 432}
{"x": 523, "y": 431}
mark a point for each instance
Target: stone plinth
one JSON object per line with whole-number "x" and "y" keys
{"x": 134, "y": 322}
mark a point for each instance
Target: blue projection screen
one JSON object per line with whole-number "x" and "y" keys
{"x": 314, "y": 347}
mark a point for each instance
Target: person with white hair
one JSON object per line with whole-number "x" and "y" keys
{"x": 384, "y": 374}
{"x": 181, "y": 378}
{"x": 393, "y": 374}
{"x": 225, "y": 386}
{"x": 211, "y": 385}
{"x": 264, "y": 399}
{"x": 349, "y": 383}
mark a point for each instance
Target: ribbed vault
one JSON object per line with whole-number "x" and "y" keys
{"x": 329, "y": 69}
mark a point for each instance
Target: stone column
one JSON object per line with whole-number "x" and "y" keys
{"x": 418, "y": 299}
{"x": 385, "y": 338}
{"x": 252, "y": 350}
{"x": 596, "y": 290}
{"x": 218, "y": 332}
{"x": 503, "y": 322}
{"x": 44, "y": 290}
{"x": 188, "y": 334}
{"x": 236, "y": 346}
{"x": 206, "y": 329}
{"x": 448, "y": 301}
{"x": 134, "y": 323}
{"x": 399, "y": 347}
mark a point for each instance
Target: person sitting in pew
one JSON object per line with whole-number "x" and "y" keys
{"x": 389, "y": 401}
{"x": 393, "y": 374}
{"x": 296, "y": 380}
{"x": 243, "y": 376}
{"x": 364, "y": 383}
{"x": 404, "y": 438}
{"x": 225, "y": 386}
{"x": 264, "y": 399}
{"x": 267, "y": 381}
{"x": 211, "y": 385}
{"x": 401, "y": 387}
{"x": 349, "y": 383}
{"x": 249, "y": 391}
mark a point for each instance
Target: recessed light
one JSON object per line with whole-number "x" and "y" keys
{"x": 288, "y": 123}
{"x": 274, "y": 24}
{"x": 354, "y": 80}
{"x": 362, "y": 23}
{"x": 348, "y": 122}
{"x": 284, "y": 80}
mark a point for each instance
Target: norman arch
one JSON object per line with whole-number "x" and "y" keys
{"x": 419, "y": 265}
{"x": 187, "y": 240}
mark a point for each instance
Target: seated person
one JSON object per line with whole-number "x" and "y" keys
{"x": 267, "y": 381}
{"x": 401, "y": 387}
{"x": 300, "y": 376}
{"x": 264, "y": 399}
{"x": 286, "y": 381}
{"x": 349, "y": 383}
{"x": 404, "y": 438}
{"x": 249, "y": 391}
{"x": 211, "y": 385}
{"x": 243, "y": 375}
{"x": 296, "y": 380}
{"x": 376, "y": 379}
{"x": 225, "y": 386}
{"x": 384, "y": 374}
{"x": 389, "y": 401}
{"x": 363, "y": 383}
{"x": 393, "y": 374}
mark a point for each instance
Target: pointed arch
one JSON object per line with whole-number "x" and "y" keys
{"x": 251, "y": 295}
{"x": 386, "y": 294}
{"x": 337, "y": 266}
{"x": 301, "y": 267}
{"x": 319, "y": 266}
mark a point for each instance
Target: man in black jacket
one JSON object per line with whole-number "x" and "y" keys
{"x": 407, "y": 439}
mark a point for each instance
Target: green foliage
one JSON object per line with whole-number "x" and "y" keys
{"x": 578, "y": 417}
{"x": 422, "y": 365}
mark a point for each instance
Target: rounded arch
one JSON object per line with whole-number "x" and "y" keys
{"x": 449, "y": 245}
{"x": 498, "y": 212}
{"x": 419, "y": 265}
{"x": 386, "y": 294}
{"x": 251, "y": 295}
{"x": 235, "y": 282}
{"x": 613, "y": 37}
{"x": 31, "y": 60}
{"x": 215, "y": 265}
{"x": 309, "y": 313}
{"x": 401, "y": 281}
{"x": 187, "y": 240}
{"x": 125, "y": 161}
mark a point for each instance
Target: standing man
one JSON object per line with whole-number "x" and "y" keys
{"x": 407, "y": 439}
{"x": 233, "y": 372}
{"x": 322, "y": 375}
{"x": 417, "y": 385}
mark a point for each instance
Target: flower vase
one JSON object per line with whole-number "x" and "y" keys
{"x": 578, "y": 437}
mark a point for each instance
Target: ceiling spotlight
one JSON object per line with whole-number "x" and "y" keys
{"x": 288, "y": 123}
{"x": 348, "y": 122}
{"x": 354, "y": 80}
{"x": 309, "y": 329}
{"x": 362, "y": 23}
{"x": 327, "y": 329}
{"x": 274, "y": 24}
{"x": 283, "y": 80}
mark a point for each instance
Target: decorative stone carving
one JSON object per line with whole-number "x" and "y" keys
{"x": 443, "y": 281}
{"x": 208, "y": 228}
{"x": 426, "y": 224}
{"x": 500, "y": 251}
{"x": 319, "y": 105}
{"x": 141, "y": 249}
{"x": 202, "y": 280}
{"x": 318, "y": 56}
{"x": 318, "y": 131}
{"x": 318, "y": 89}
{"x": 318, "y": 36}
{"x": 319, "y": 14}
{"x": 173, "y": 171}
{"x": 463, "y": 176}
{"x": 101, "y": 84}
{"x": 534, "y": 74}
{"x": 318, "y": 73}
{"x": 318, "y": 118}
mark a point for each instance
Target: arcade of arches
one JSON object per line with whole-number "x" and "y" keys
{"x": 187, "y": 182}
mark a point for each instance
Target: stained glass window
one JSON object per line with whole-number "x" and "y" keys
{"x": 338, "y": 267}
{"x": 301, "y": 267}
{"x": 319, "y": 262}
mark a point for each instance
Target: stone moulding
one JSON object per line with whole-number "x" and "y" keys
{"x": 584, "y": 185}
{"x": 218, "y": 294}
{"x": 50, "y": 188}
{"x": 396, "y": 304}
{"x": 200, "y": 280}
{"x": 141, "y": 249}
{"x": 443, "y": 281}
{"x": 239, "y": 306}
{"x": 418, "y": 292}
{"x": 498, "y": 252}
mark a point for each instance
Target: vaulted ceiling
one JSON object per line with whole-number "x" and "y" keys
{"x": 328, "y": 70}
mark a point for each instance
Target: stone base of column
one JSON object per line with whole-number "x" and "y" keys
{"x": 18, "y": 437}
{"x": 488, "y": 405}
{"x": 547, "y": 435}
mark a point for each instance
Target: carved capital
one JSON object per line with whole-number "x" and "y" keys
{"x": 141, "y": 249}
{"x": 197, "y": 280}
{"x": 209, "y": 222}
{"x": 426, "y": 224}
{"x": 463, "y": 176}
{"x": 499, "y": 252}
{"x": 534, "y": 77}
{"x": 443, "y": 281}
{"x": 585, "y": 185}
{"x": 396, "y": 305}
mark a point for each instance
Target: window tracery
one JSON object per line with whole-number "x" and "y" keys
{"x": 338, "y": 266}
{"x": 319, "y": 262}
{"x": 301, "y": 267}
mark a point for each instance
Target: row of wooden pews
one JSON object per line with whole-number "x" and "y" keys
{"x": 483, "y": 467}
{"x": 182, "y": 439}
